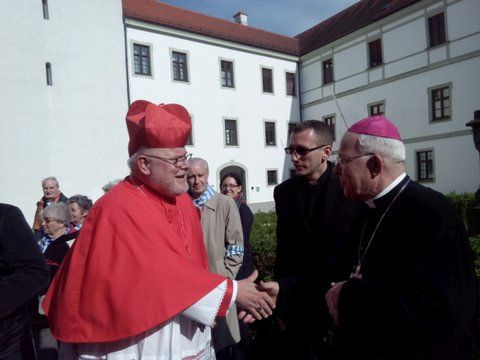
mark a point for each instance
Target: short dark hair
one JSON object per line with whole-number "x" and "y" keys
{"x": 82, "y": 201}
{"x": 321, "y": 130}
{"x": 232, "y": 175}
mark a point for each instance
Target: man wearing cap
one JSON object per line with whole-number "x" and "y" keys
{"x": 136, "y": 282}
{"x": 412, "y": 293}
{"x": 313, "y": 217}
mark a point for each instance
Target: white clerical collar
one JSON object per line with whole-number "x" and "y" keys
{"x": 385, "y": 191}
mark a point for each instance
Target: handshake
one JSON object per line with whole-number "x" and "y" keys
{"x": 257, "y": 301}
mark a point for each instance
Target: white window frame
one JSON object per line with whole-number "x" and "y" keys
{"x": 132, "y": 54}
{"x": 265, "y": 121}
{"x": 172, "y": 74}
{"x": 266, "y": 177}
{"x": 261, "y": 80}
{"x": 334, "y": 116}
{"x": 431, "y": 120}
{"x": 380, "y": 102}
{"x": 295, "y": 83}
{"x": 416, "y": 152}
{"x": 225, "y": 133}
{"x": 233, "y": 72}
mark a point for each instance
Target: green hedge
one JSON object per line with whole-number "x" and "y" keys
{"x": 468, "y": 211}
{"x": 475, "y": 243}
{"x": 263, "y": 242}
{"x": 263, "y": 239}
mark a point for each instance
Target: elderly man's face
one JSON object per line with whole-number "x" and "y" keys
{"x": 197, "y": 178}
{"x": 50, "y": 189}
{"x": 355, "y": 177}
{"x": 165, "y": 177}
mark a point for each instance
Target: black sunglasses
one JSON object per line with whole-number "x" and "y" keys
{"x": 301, "y": 151}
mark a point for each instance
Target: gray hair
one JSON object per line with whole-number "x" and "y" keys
{"x": 203, "y": 162}
{"x": 59, "y": 212}
{"x": 133, "y": 159}
{"x": 391, "y": 149}
{"x": 82, "y": 201}
{"x": 50, "y": 178}
{"x": 108, "y": 186}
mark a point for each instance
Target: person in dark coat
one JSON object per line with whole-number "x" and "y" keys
{"x": 313, "y": 218}
{"x": 23, "y": 274}
{"x": 232, "y": 186}
{"x": 54, "y": 245}
{"x": 413, "y": 291}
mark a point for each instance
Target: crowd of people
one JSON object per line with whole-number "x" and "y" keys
{"x": 369, "y": 264}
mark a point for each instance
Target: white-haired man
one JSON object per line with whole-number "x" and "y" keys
{"x": 136, "y": 284}
{"x": 51, "y": 195}
{"x": 412, "y": 293}
{"x": 223, "y": 235}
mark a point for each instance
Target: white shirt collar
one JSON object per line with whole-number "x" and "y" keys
{"x": 385, "y": 191}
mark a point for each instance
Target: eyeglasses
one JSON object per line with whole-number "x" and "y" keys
{"x": 341, "y": 159}
{"x": 301, "y": 151}
{"x": 48, "y": 220}
{"x": 175, "y": 162}
{"x": 229, "y": 186}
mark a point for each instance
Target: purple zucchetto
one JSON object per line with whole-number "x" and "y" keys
{"x": 377, "y": 125}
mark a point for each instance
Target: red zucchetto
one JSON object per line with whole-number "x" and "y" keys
{"x": 377, "y": 125}
{"x": 157, "y": 126}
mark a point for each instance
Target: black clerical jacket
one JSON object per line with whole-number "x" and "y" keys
{"x": 23, "y": 274}
{"x": 417, "y": 295}
{"x": 310, "y": 254}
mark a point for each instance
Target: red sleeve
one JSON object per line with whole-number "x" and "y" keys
{"x": 227, "y": 298}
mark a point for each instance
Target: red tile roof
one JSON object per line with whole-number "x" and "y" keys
{"x": 191, "y": 21}
{"x": 355, "y": 17}
{"x": 351, "y": 19}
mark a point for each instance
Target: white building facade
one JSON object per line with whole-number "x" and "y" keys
{"x": 241, "y": 99}
{"x": 419, "y": 66}
{"x": 68, "y": 74}
{"x": 63, "y": 97}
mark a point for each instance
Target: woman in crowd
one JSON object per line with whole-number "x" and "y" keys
{"x": 56, "y": 219}
{"x": 231, "y": 185}
{"x": 79, "y": 206}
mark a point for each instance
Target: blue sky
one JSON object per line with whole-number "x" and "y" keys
{"x": 287, "y": 17}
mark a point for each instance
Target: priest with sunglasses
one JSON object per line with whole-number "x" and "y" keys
{"x": 313, "y": 217}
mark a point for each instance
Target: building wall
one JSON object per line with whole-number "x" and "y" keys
{"x": 210, "y": 104}
{"x": 74, "y": 129}
{"x": 403, "y": 83}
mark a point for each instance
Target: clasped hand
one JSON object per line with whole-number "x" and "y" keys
{"x": 257, "y": 301}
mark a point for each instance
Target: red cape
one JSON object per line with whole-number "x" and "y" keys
{"x": 138, "y": 261}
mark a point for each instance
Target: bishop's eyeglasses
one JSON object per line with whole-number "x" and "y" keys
{"x": 342, "y": 159}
